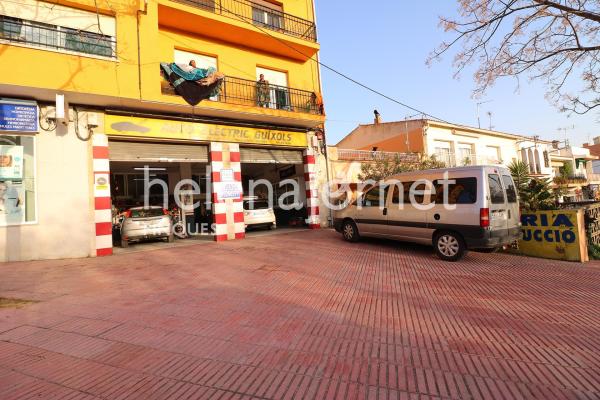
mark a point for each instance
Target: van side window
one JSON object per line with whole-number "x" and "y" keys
{"x": 463, "y": 191}
{"x": 406, "y": 193}
{"x": 511, "y": 191}
{"x": 376, "y": 197}
{"x": 496, "y": 192}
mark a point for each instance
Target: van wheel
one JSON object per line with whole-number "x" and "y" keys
{"x": 449, "y": 246}
{"x": 350, "y": 231}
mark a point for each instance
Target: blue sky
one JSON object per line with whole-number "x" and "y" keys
{"x": 385, "y": 44}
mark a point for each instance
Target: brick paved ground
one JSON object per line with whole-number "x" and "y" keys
{"x": 300, "y": 316}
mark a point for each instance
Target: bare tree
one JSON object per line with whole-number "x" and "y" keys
{"x": 553, "y": 41}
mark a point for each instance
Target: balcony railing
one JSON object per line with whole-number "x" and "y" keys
{"x": 244, "y": 92}
{"x": 365, "y": 155}
{"x": 453, "y": 160}
{"x": 259, "y": 15}
{"x": 595, "y": 178}
{"x": 37, "y": 34}
{"x": 576, "y": 179}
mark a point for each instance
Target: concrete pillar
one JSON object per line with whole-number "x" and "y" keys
{"x": 102, "y": 202}
{"x": 312, "y": 194}
{"x": 228, "y": 212}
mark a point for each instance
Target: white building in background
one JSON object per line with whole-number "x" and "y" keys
{"x": 458, "y": 145}
{"x": 536, "y": 154}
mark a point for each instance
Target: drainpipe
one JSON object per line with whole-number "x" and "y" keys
{"x": 425, "y": 147}
{"x": 317, "y": 56}
{"x": 139, "y": 56}
{"x": 325, "y": 147}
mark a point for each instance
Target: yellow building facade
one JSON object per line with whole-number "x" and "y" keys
{"x": 86, "y": 106}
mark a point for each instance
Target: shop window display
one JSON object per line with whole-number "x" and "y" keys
{"x": 17, "y": 180}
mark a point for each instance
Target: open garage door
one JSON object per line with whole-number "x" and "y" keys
{"x": 270, "y": 156}
{"x": 283, "y": 169}
{"x": 159, "y": 152}
{"x": 167, "y": 164}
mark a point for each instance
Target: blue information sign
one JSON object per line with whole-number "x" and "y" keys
{"x": 15, "y": 117}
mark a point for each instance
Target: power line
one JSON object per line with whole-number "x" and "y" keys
{"x": 356, "y": 82}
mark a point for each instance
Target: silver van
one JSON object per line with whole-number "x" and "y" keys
{"x": 453, "y": 209}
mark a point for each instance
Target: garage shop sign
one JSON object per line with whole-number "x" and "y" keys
{"x": 167, "y": 129}
{"x": 556, "y": 234}
{"x": 228, "y": 187}
{"x": 18, "y": 116}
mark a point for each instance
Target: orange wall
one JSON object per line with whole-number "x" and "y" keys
{"x": 398, "y": 143}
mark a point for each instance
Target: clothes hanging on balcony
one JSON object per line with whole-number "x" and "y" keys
{"x": 193, "y": 84}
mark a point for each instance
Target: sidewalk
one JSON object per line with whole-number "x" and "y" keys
{"x": 301, "y": 315}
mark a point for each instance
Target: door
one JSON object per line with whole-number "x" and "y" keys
{"x": 513, "y": 214}
{"x": 405, "y": 220}
{"x": 455, "y": 204}
{"x": 278, "y": 94}
{"x": 443, "y": 152}
{"x": 497, "y": 203}
{"x": 465, "y": 154}
{"x": 371, "y": 213}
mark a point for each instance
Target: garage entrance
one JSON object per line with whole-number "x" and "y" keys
{"x": 284, "y": 171}
{"x": 167, "y": 165}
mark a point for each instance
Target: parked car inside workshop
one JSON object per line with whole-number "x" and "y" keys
{"x": 258, "y": 213}
{"x": 140, "y": 223}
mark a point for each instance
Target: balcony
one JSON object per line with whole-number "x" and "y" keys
{"x": 365, "y": 155}
{"x": 242, "y": 23}
{"x": 576, "y": 179}
{"x": 58, "y": 38}
{"x": 260, "y": 16}
{"x": 242, "y": 92}
{"x": 593, "y": 178}
{"x": 454, "y": 160}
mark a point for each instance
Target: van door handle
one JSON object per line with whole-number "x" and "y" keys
{"x": 385, "y": 211}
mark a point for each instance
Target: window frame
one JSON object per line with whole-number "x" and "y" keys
{"x": 514, "y": 190}
{"x": 386, "y": 193}
{"x": 35, "y": 221}
{"x": 268, "y": 13}
{"x": 406, "y": 199}
{"x": 470, "y": 178}
{"x": 489, "y": 179}
{"x": 59, "y": 33}
{"x": 64, "y": 31}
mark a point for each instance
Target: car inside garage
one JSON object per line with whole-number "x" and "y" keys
{"x": 283, "y": 171}
{"x": 166, "y": 165}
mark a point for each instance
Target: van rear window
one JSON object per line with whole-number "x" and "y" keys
{"x": 496, "y": 191}
{"x": 147, "y": 213}
{"x": 462, "y": 191}
{"x": 511, "y": 191}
